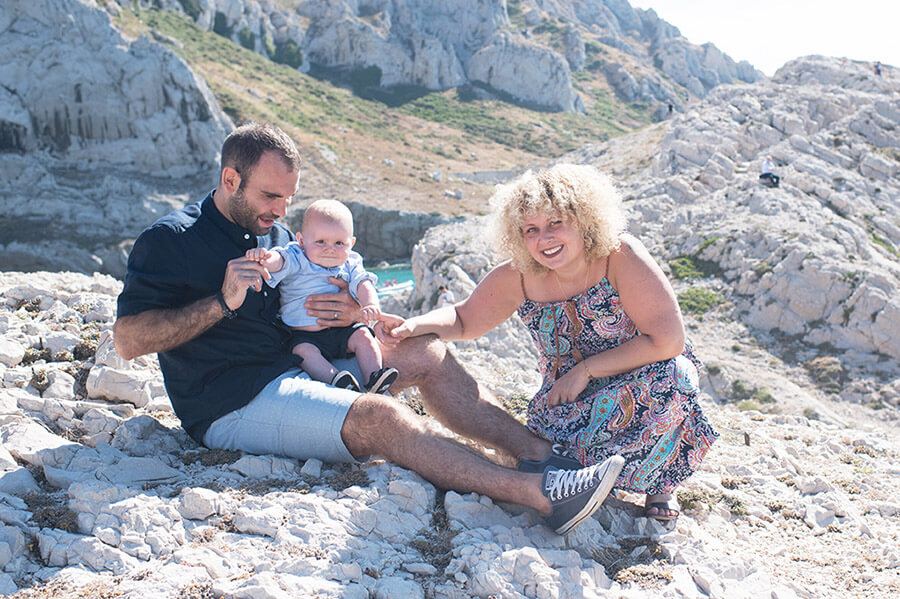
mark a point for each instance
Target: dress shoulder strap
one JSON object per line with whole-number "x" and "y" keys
{"x": 522, "y": 284}
{"x": 606, "y": 267}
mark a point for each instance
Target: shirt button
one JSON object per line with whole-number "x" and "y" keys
{"x": 265, "y": 294}
{"x": 246, "y": 235}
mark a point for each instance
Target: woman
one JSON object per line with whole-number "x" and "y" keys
{"x": 618, "y": 377}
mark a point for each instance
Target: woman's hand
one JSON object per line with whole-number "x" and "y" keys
{"x": 386, "y": 329}
{"x": 569, "y": 386}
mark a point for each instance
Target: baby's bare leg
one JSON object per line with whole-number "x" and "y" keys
{"x": 367, "y": 350}
{"x": 314, "y": 363}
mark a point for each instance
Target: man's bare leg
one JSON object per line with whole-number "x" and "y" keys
{"x": 376, "y": 425}
{"x": 456, "y": 400}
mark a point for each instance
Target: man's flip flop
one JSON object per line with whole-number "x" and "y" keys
{"x": 661, "y": 508}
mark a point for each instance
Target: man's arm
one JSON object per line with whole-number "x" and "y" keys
{"x": 163, "y": 329}
{"x": 160, "y": 330}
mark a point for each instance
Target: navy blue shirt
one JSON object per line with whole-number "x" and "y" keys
{"x": 180, "y": 259}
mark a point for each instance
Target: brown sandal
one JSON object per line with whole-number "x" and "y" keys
{"x": 661, "y": 508}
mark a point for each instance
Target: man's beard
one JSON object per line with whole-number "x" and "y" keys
{"x": 243, "y": 215}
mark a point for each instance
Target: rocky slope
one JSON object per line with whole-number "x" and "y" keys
{"x": 102, "y": 494}
{"x": 525, "y": 49}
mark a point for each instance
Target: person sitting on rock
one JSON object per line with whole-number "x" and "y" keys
{"x": 767, "y": 173}
{"x": 304, "y": 267}
{"x": 619, "y": 377}
{"x": 192, "y": 296}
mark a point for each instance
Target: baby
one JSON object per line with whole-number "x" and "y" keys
{"x": 302, "y": 269}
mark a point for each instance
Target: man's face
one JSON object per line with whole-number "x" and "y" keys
{"x": 265, "y": 195}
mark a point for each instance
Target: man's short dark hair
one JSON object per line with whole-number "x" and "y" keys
{"x": 245, "y": 145}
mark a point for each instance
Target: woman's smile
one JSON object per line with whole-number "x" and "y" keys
{"x": 552, "y": 251}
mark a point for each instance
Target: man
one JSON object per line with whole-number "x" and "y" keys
{"x": 191, "y": 296}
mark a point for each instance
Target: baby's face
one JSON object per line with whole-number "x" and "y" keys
{"x": 326, "y": 242}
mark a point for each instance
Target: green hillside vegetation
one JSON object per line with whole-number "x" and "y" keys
{"x": 318, "y": 107}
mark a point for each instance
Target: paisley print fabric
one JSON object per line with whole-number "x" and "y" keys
{"x": 649, "y": 416}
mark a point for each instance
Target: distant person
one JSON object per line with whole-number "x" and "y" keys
{"x": 767, "y": 173}
{"x": 302, "y": 269}
{"x": 671, "y": 108}
{"x": 445, "y": 297}
{"x": 619, "y": 378}
{"x": 878, "y": 68}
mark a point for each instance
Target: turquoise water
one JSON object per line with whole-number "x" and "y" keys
{"x": 402, "y": 273}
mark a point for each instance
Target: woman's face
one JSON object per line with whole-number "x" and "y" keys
{"x": 553, "y": 241}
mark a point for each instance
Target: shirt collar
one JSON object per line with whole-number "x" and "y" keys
{"x": 240, "y": 236}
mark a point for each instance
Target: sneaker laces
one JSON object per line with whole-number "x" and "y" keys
{"x": 562, "y": 483}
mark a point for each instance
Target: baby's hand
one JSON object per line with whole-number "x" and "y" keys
{"x": 258, "y": 254}
{"x": 370, "y": 313}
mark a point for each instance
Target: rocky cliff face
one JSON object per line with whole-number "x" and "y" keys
{"x": 523, "y": 49}
{"x": 98, "y": 129}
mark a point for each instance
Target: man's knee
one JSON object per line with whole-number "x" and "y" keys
{"x": 416, "y": 356}
{"x": 371, "y": 420}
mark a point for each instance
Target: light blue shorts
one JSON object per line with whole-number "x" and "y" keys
{"x": 293, "y": 416}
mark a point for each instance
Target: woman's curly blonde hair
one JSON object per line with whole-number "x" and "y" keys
{"x": 581, "y": 194}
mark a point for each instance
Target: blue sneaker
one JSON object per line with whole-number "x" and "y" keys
{"x": 557, "y": 459}
{"x": 576, "y": 494}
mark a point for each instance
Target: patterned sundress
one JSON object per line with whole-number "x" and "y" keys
{"x": 650, "y": 415}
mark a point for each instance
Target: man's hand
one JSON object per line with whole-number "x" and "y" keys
{"x": 242, "y": 274}
{"x": 334, "y": 309}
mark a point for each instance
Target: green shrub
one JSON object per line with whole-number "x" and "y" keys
{"x": 247, "y": 38}
{"x": 692, "y": 267}
{"x": 826, "y": 372}
{"x": 288, "y": 53}
{"x": 762, "y": 395}
{"x": 739, "y": 390}
{"x": 698, "y": 301}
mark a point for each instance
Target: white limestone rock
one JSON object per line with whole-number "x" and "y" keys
{"x": 532, "y": 74}
{"x": 11, "y": 352}
{"x": 253, "y": 466}
{"x": 198, "y": 503}
{"x": 18, "y": 481}
{"x": 259, "y": 517}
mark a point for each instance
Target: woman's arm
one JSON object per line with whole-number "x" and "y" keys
{"x": 494, "y": 299}
{"x": 649, "y": 300}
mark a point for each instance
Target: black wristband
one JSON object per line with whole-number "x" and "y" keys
{"x": 226, "y": 311}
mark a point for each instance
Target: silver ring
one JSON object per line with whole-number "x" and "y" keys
{"x": 334, "y": 316}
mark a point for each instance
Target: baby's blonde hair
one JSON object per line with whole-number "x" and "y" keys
{"x": 581, "y": 194}
{"x": 329, "y": 210}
